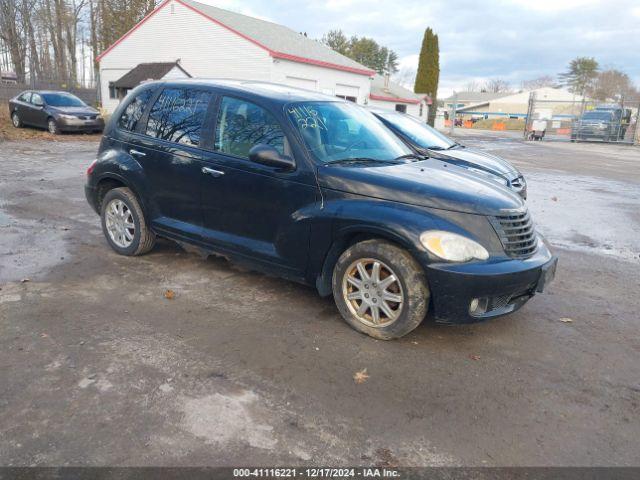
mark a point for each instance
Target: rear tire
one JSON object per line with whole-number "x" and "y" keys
{"x": 396, "y": 288}
{"x": 124, "y": 225}
{"x": 52, "y": 126}
{"x": 16, "y": 121}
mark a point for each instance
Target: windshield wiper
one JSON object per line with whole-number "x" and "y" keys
{"x": 417, "y": 156}
{"x": 356, "y": 160}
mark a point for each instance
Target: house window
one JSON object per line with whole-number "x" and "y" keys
{"x": 421, "y": 109}
{"x": 348, "y": 98}
{"x": 401, "y": 108}
{"x": 112, "y": 91}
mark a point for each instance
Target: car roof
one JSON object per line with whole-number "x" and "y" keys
{"x": 273, "y": 92}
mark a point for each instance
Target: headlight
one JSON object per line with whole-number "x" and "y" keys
{"x": 68, "y": 117}
{"x": 452, "y": 247}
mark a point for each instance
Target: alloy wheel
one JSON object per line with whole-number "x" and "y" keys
{"x": 120, "y": 223}
{"x": 15, "y": 119}
{"x": 372, "y": 292}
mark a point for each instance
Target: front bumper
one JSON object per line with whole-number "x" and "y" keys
{"x": 504, "y": 285}
{"x": 79, "y": 125}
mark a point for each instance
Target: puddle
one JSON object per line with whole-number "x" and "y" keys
{"x": 5, "y": 220}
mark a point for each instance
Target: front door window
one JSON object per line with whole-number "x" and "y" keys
{"x": 242, "y": 125}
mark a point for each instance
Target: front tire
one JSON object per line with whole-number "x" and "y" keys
{"x": 124, "y": 225}
{"x": 16, "y": 121}
{"x": 380, "y": 289}
{"x": 52, "y": 126}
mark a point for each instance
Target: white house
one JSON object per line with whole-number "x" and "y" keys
{"x": 387, "y": 94}
{"x": 208, "y": 42}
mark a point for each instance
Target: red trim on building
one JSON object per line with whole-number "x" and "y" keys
{"x": 295, "y": 58}
{"x": 274, "y": 54}
{"x": 393, "y": 99}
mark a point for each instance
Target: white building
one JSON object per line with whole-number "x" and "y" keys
{"x": 208, "y": 42}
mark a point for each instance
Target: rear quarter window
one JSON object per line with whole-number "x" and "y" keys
{"x": 133, "y": 113}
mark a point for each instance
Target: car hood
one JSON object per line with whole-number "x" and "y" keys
{"x": 75, "y": 110}
{"x": 427, "y": 183}
{"x": 471, "y": 158}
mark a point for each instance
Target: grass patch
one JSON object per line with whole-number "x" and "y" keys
{"x": 9, "y": 133}
{"x": 510, "y": 123}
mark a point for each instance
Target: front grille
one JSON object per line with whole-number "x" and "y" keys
{"x": 87, "y": 117}
{"x": 516, "y": 233}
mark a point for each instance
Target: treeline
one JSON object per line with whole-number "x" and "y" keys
{"x": 583, "y": 77}
{"x": 58, "y": 40}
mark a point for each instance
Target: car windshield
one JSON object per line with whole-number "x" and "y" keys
{"x": 597, "y": 116}
{"x": 336, "y": 131}
{"x": 62, "y": 100}
{"x": 418, "y": 132}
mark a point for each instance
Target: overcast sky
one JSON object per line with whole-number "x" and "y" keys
{"x": 511, "y": 39}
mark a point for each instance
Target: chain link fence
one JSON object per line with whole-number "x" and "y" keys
{"x": 582, "y": 120}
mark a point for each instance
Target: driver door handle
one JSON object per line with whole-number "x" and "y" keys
{"x": 212, "y": 172}
{"x": 137, "y": 153}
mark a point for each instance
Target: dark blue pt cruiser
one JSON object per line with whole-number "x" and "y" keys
{"x": 319, "y": 191}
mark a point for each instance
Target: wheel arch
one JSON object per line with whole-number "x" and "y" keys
{"x": 347, "y": 237}
{"x": 110, "y": 181}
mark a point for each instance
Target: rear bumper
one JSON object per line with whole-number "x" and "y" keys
{"x": 90, "y": 194}
{"x": 503, "y": 286}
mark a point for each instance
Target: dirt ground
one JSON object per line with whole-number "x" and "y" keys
{"x": 97, "y": 367}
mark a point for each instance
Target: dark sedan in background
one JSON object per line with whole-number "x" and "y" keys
{"x": 425, "y": 140}
{"x": 55, "y": 111}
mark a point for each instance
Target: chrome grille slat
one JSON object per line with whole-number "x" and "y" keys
{"x": 516, "y": 232}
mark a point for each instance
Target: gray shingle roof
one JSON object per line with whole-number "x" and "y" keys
{"x": 145, "y": 71}
{"x": 476, "y": 97}
{"x": 394, "y": 90}
{"x": 276, "y": 38}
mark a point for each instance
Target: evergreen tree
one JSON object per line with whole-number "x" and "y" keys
{"x": 581, "y": 75}
{"x": 429, "y": 70}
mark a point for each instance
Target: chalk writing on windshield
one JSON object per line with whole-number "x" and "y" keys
{"x": 307, "y": 117}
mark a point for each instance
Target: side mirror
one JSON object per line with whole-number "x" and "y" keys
{"x": 39, "y": 105}
{"x": 267, "y": 155}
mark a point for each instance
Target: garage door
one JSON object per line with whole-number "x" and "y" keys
{"x": 344, "y": 91}
{"x": 302, "y": 83}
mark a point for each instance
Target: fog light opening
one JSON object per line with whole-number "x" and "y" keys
{"x": 478, "y": 306}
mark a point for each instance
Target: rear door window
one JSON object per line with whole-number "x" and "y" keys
{"x": 178, "y": 115}
{"x": 242, "y": 124}
{"x": 133, "y": 113}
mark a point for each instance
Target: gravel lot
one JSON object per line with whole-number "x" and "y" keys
{"x": 98, "y": 368}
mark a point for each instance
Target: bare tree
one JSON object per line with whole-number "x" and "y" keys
{"x": 472, "y": 86}
{"x": 406, "y": 77}
{"x": 613, "y": 85}
{"x": 12, "y": 34}
{"x": 497, "y": 85}
{"x": 540, "y": 82}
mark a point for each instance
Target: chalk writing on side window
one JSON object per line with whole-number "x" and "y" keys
{"x": 307, "y": 117}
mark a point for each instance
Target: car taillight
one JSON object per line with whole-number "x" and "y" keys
{"x": 91, "y": 167}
